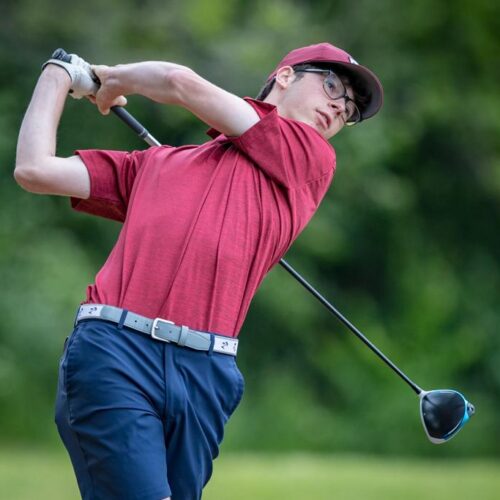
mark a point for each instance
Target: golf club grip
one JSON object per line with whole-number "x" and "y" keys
{"x": 62, "y": 55}
{"x": 119, "y": 111}
{"x": 123, "y": 114}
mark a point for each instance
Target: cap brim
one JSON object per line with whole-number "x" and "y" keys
{"x": 368, "y": 85}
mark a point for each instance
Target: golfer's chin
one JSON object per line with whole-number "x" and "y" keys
{"x": 319, "y": 127}
{"x": 327, "y": 132}
{"x": 316, "y": 123}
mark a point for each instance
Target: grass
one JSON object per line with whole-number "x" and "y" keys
{"x": 42, "y": 474}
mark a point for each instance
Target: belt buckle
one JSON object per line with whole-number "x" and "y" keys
{"x": 155, "y": 327}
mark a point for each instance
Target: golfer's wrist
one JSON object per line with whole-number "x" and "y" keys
{"x": 57, "y": 75}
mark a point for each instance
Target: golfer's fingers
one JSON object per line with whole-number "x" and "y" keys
{"x": 120, "y": 101}
{"x": 104, "y": 106}
{"x": 106, "y": 96}
{"x": 101, "y": 71}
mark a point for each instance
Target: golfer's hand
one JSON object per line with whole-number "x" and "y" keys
{"x": 110, "y": 92}
{"x": 83, "y": 81}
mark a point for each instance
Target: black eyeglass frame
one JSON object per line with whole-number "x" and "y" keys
{"x": 345, "y": 96}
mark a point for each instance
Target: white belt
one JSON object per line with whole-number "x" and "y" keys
{"x": 160, "y": 329}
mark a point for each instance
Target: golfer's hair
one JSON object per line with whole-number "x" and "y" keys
{"x": 360, "y": 98}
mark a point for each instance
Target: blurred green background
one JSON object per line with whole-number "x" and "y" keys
{"x": 405, "y": 244}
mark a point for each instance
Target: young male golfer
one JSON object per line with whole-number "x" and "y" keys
{"x": 148, "y": 377}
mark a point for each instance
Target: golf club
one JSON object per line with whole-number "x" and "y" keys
{"x": 443, "y": 411}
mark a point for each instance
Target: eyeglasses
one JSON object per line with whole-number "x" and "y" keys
{"x": 335, "y": 89}
{"x": 444, "y": 413}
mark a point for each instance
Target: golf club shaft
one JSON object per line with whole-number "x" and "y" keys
{"x": 349, "y": 325}
{"x": 143, "y": 133}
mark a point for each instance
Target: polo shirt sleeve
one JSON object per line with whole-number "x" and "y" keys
{"x": 292, "y": 153}
{"x": 112, "y": 175}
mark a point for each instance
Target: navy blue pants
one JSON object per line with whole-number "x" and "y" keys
{"x": 140, "y": 418}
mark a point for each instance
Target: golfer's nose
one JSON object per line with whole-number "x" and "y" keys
{"x": 338, "y": 106}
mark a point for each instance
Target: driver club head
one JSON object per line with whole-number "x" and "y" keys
{"x": 443, "y": 412}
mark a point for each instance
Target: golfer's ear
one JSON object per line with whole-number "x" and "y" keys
{"x": 284, "y": 77}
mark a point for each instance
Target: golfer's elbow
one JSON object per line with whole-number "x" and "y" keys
{"x": 23, "y": 174}
{"x": 32, "y": 177}
{"x": 28, "y": 177}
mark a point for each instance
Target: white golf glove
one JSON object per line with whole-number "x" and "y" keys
{"x": 83, "y": 80}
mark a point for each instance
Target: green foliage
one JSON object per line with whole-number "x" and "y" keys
{"x": 405, "y": 244}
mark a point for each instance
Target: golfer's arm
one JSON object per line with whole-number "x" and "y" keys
{"x": 38, "y": 170}
{"x": 170, "y": 83}
{"x": 225, "y": 112}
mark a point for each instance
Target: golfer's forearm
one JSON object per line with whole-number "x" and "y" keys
{"x": 169, "y": 83}
{"x": 152, "y": 79}
{"x": 37, "y": 136}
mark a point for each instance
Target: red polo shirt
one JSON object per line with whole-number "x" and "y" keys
{"x": 204, "y": 224}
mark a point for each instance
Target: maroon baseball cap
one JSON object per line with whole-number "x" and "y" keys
{"x": 365, "y": 83}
